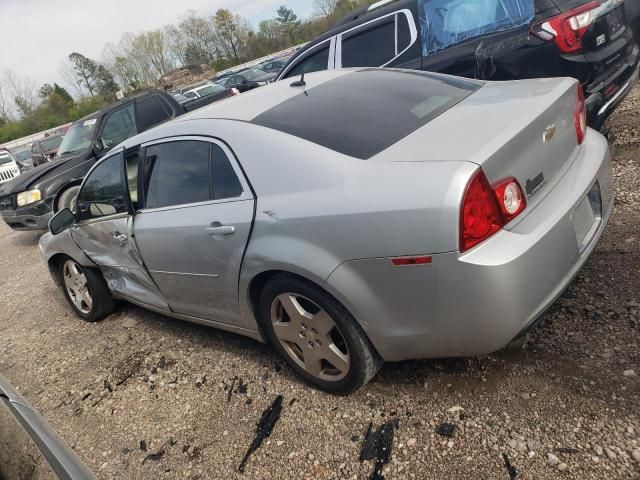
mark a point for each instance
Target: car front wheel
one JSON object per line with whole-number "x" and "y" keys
{"x": 317, "y": 336}
{"x": 68, "y": 198}
{"x": 86, "y": 290}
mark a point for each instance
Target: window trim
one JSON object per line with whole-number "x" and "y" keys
{"x": 125, "y": 187}
{"x": 313, "y": 50}
{"x": 413, "y": 30}
{"x": 247, "y": 192}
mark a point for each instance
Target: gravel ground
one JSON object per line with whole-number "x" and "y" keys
{"x": 139, "y": 395}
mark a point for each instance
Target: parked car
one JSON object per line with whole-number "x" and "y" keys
{"x": 204, "y": 95}
{"x": 22, "y": 155}
{"x": 490, "y": 40}
{"x": 249, "y": 80}
{"x": 45, "y": 149}
{"x": 28, "y": 202}
{"x": 29, "y": 447}
{"x": 274, "y": 66}
{"x": 316, "y": 219}
{"x": 9, "y": 168}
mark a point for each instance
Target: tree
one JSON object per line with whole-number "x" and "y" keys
{"x": 95, "y": 77}
{"x": 288, "y": 21}
{"x": 232, "y": 33}
{"x": 200, "y": 39}
{"x": 85, "y": 69}
{"x": 324, "y": 8}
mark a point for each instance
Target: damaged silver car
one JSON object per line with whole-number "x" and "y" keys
{"x": 348, "y": 218}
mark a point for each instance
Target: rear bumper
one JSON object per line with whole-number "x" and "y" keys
{"x": 31, "y": 217}
{"x": 476, "y": 303}
{"x": 599, "y": 106}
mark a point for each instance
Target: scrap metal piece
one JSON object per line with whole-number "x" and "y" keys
{"x": 446, "y": 430}
{"x": 513, "y": 471}
{"x": 263, "y": 429}
{"x": 378, "y": 445}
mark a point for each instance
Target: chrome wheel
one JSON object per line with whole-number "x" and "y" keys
{"x": 310, "y": 337}
{"x": 77, "y": 286}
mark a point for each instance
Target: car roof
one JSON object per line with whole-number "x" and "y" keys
{"x": 333, "y": 110}
{"x": 110, "y": 108}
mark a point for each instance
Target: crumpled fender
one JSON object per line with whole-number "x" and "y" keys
{"x": 62, "y": 244}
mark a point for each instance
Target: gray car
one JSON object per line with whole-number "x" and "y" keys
{"x": 349, "y": 218}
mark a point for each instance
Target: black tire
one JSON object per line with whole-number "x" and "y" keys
{"x": 102, "y": 302}
{"x": 364, "y": 361}
{"x": 67, "y": 198}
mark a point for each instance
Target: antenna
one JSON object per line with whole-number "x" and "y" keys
{"x": 299, "y": 83}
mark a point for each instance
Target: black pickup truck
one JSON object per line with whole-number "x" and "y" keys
{"x": 27, "y": 202}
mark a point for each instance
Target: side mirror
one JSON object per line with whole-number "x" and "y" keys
{"x": 98, "y": 147}
{"x": 61, "y": 221}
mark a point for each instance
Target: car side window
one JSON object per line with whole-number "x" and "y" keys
{"x": 445, "y": 23}
{"x": 119, "y": 126}
{"x": 315, "y": 62}
{"x": 372, "y": 46}
{"x": 151, "y": 112}
{"x": 224, "y": 180}
{"x": 103, "y": 192}
{"x": 177, "y": 173}
{"x": 404, "y": 32}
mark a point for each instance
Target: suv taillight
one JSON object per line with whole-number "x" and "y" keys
{"x": 568, "y": 28}
{"x": 487, "y": 208}
{"x": 580, "y": 116}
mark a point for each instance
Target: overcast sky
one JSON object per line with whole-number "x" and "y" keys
{"x": 38, "y": 35}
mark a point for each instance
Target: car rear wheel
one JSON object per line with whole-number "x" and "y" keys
{"x": 68, "y": 198}
{"x": 317, "y": 336}
{"x": 86, "y": 290}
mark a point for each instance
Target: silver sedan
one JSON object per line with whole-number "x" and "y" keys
{"x": 349, "y": 218}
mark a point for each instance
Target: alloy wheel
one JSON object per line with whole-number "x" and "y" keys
{"x": 310, "y": 337}
{"x": 75, "y": 281}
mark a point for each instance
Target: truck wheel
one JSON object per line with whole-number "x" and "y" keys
{"x": 86, "y": 290}
{"x": 67, "y": 199}
{"x": 316, "y": 335}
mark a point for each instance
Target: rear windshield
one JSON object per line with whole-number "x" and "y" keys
{"x": 445, "y": 23}
{"x": 209, "y": 90}
{"x": 363, "y": 113}
{"x": 51, "y": 143}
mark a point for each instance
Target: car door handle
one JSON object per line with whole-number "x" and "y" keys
{"x": 121, "y": 238}
{"x": 220, "y": 230}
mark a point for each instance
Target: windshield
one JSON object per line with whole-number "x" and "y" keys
{"x": 5, "y": 158}
{"x": 209, "y": 90}
{"x": 51, "y": 143}
{"x": 22, "y": 155}
{"x": 78, "y": 137}
{"x": 252, "y": 74}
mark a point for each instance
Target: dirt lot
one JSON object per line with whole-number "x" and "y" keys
{"x": 139, "y": 395}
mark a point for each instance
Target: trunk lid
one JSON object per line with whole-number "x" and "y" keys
{"x": 523, "y": 129}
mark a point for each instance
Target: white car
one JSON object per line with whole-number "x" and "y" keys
{"x": 9, "y": 168}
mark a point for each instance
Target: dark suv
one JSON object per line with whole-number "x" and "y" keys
{"x": 28, "y": 201}
{"x": 489, "y": 40}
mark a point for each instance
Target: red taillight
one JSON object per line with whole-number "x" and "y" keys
{"x": 510, "y": 198}
{"x": 410, "y": 261}
{"x": 580, "y": 116}
{"x": 480, "y": 216}
{"x": 486, "y": 209}
{"x": 568, "y": 28}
